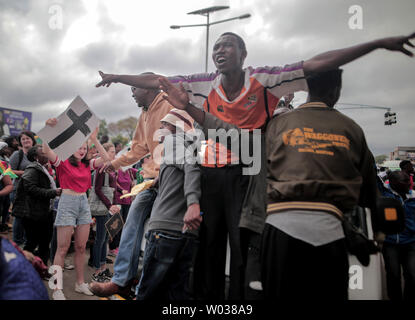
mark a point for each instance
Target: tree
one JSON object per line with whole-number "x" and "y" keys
{"x": 381, "y": 158}
{"x": 124, "y": 127}
{"x": 127, "y": 126}
{"x": 119, "y": 138}
{"x": 103, "y": 129}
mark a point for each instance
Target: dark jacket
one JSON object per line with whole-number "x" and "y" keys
{"x": 408, "y": 234}
{"x": 33, "y": 194}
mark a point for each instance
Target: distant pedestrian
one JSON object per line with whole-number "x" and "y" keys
{"x": 407, "y": 167}
{"x": 399, "y": 249}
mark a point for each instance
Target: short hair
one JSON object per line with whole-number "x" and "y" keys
{"x": 32, "y": 153}
{"x": 29, "y": 134}
{"x": 108, "y": 145}
{"x": 9, "y": 140}
{"x": 241, "y": 42}
{"x": 321, "y": 83}
{"x": 404, "y": 163}
{"x": 396, "y": 175}
{"x": 104, "y": 139}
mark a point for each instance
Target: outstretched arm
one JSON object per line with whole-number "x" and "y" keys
{"x": 104, "y": 158}
{"x": 336, "y": 58}
{"x": 45, "y": 147}
{"x": 144, "y": 81}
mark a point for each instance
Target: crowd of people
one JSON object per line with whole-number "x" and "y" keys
{"x": 284, "y": 225}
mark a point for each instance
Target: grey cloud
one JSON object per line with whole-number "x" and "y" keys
{"x": 169, "y": 58}
{"x": 37, "y": 78}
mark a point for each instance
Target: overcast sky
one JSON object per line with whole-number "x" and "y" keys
{"x": 45, "y": 62}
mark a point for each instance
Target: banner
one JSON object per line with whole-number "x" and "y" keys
{"x": 74, "y": 127}
{"x": 12, "y": 121}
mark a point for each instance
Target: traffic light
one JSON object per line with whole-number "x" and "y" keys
{"x": 390, "y": 118}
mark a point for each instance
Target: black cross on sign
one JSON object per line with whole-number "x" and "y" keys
{"x": 79, "y": 123}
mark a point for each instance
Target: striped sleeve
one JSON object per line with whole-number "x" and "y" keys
{"x": 92, "y": 165}
{"x": 198, "y": 86}
{"x": 57, "y": 162}
{"x": 281, "y": 80}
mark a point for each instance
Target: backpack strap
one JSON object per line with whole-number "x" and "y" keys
{"x": 106, "y": 180}
{"x": 20, "y": 159}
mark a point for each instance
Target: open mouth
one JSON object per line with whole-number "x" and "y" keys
{"x": 220, "y": 60}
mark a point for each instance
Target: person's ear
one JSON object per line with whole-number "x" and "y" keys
{"x": 243, "y": 56}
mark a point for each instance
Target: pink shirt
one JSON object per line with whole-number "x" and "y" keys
{"x": 124, "y": 182}
{"x": 77, "y": 179}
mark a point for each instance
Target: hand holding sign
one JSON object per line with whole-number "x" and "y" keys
{"x": 94, "y": 134}
{"x": 70, "y": 130}
{"x": 51, "y": 122}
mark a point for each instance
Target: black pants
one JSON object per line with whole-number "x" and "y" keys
{"x": 223, "y": 191}
{"x": 395, "y": 257}
{"x": 295, "y": 270}
{"x": 38, "y": 234}
{"x": 4, "y": 208}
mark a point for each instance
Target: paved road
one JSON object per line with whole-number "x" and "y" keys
{"x": 69, "y": 279}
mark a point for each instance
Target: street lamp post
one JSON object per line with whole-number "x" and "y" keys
{"x": 206, "y": 12}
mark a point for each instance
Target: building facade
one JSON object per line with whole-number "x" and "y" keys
{"x": 403, "y": 153}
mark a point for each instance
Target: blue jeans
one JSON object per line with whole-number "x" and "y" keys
{"x": 166, "y": 268}
{"x": 126, "y": 263}
{"x": 100, "y": 244}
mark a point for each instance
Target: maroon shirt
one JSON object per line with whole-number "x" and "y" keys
{"x": 124, "y": 182}
{"x": 99, "y": 182}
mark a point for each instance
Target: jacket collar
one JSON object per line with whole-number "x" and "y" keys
{"x": 155, "y": 101}
{"x": 314, "y": 105}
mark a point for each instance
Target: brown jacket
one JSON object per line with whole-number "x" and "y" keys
{"x": 317, "y": 154}
{"x": 143, "y": 141}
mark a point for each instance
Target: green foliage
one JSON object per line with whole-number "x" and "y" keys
{"x": 103, "y": 129}
{"x": 124, "y": 127}
{"x": 381, "y": 158}
{"x": 120, "y": 138}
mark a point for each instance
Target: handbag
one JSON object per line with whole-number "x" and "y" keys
{"x": 357, "y": 243}
{"x": 97, "y": 207}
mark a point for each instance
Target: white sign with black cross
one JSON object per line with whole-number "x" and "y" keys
{"x": 73, "y": 128}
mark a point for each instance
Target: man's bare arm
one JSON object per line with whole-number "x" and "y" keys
{"x": 144, "y": 81}
{"x": 336, "y": 58}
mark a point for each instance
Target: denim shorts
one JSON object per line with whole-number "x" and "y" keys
{"x": 73, "y": 210}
